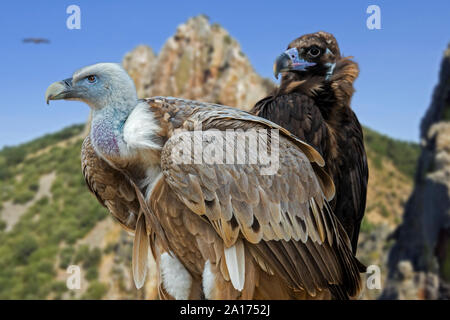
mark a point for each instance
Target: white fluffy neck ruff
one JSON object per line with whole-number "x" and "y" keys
{"x": 140, "y": 129}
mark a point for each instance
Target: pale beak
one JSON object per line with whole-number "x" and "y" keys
{"x": 59, "y": 90}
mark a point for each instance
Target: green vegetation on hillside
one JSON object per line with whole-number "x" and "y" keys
{"x": 51, "y": 226}
{"x": 12, "y": 156}
{"x": 403, "y": 154}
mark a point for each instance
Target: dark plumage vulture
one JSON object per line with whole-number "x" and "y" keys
{"x": 217, "y": 229}
{"x": 313, "y": 103}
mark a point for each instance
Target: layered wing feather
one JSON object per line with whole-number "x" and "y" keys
{"x": 342, "y": 148}
{"x": 357, "y": 180}
{"x": 297, "y": 113}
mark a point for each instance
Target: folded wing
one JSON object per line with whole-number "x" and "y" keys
{"x": 110, "y": 186}
{"x": 283, "y": 219}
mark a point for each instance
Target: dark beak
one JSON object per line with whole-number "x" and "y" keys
{"x": 282, "y": 64}
{"x": 290, "y": 61}
{"x": 59, "y": 90}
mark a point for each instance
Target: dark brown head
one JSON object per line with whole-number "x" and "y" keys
{"x": 313, "y": 54}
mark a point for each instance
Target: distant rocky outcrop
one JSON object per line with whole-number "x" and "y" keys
{"x": 201, "y": 62}
{"x": 419, "y": 261}
{"x": 139, "y": 64}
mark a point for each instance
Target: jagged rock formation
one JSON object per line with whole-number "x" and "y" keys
{"x": 201, "y": 62}
{"x": 139, "y": 64}
{"x": 422, "y": 245}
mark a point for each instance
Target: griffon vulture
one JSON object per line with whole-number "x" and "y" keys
{"x": 217, "y": 231}
{"x": 313, "y": 103}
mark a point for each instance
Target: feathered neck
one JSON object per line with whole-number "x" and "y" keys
{"x": 107, "y": 128}
{"x": 340, "y": 85}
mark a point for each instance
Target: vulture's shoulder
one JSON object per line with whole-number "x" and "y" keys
{"x": 296, "y": 105}
{"x": 298, "y": 113}
{"x": 189, "y": 115}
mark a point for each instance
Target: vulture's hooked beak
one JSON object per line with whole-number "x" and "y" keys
{"x": 289, "y": 61}
{"x": 59, "y": 90}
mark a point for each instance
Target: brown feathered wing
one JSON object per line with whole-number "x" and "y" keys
{"x": 283, "y": 219}
{"x": 111, "y": 187}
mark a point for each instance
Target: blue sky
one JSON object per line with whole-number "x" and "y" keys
{"x": 399, "y": 63}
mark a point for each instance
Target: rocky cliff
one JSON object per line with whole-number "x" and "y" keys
{"x": 419, "y": 262}
{"x": 200, "y": 62}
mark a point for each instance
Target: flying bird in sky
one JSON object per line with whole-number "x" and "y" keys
{"x": 35, "y": 40}
{"x": 313, "y": 102}
{"x": 216, "y": 231}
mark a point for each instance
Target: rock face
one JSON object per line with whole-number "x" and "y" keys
{"x": 419, "y": 262}
{"x": 201, "y": 62}
{"x": 139, "y": 64}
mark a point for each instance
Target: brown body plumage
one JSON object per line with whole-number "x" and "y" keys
{"x": 315, "y": 106}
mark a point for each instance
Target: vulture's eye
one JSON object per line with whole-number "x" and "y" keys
{"x": 314, "y": 52}
{"x": 92, "y": 78}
